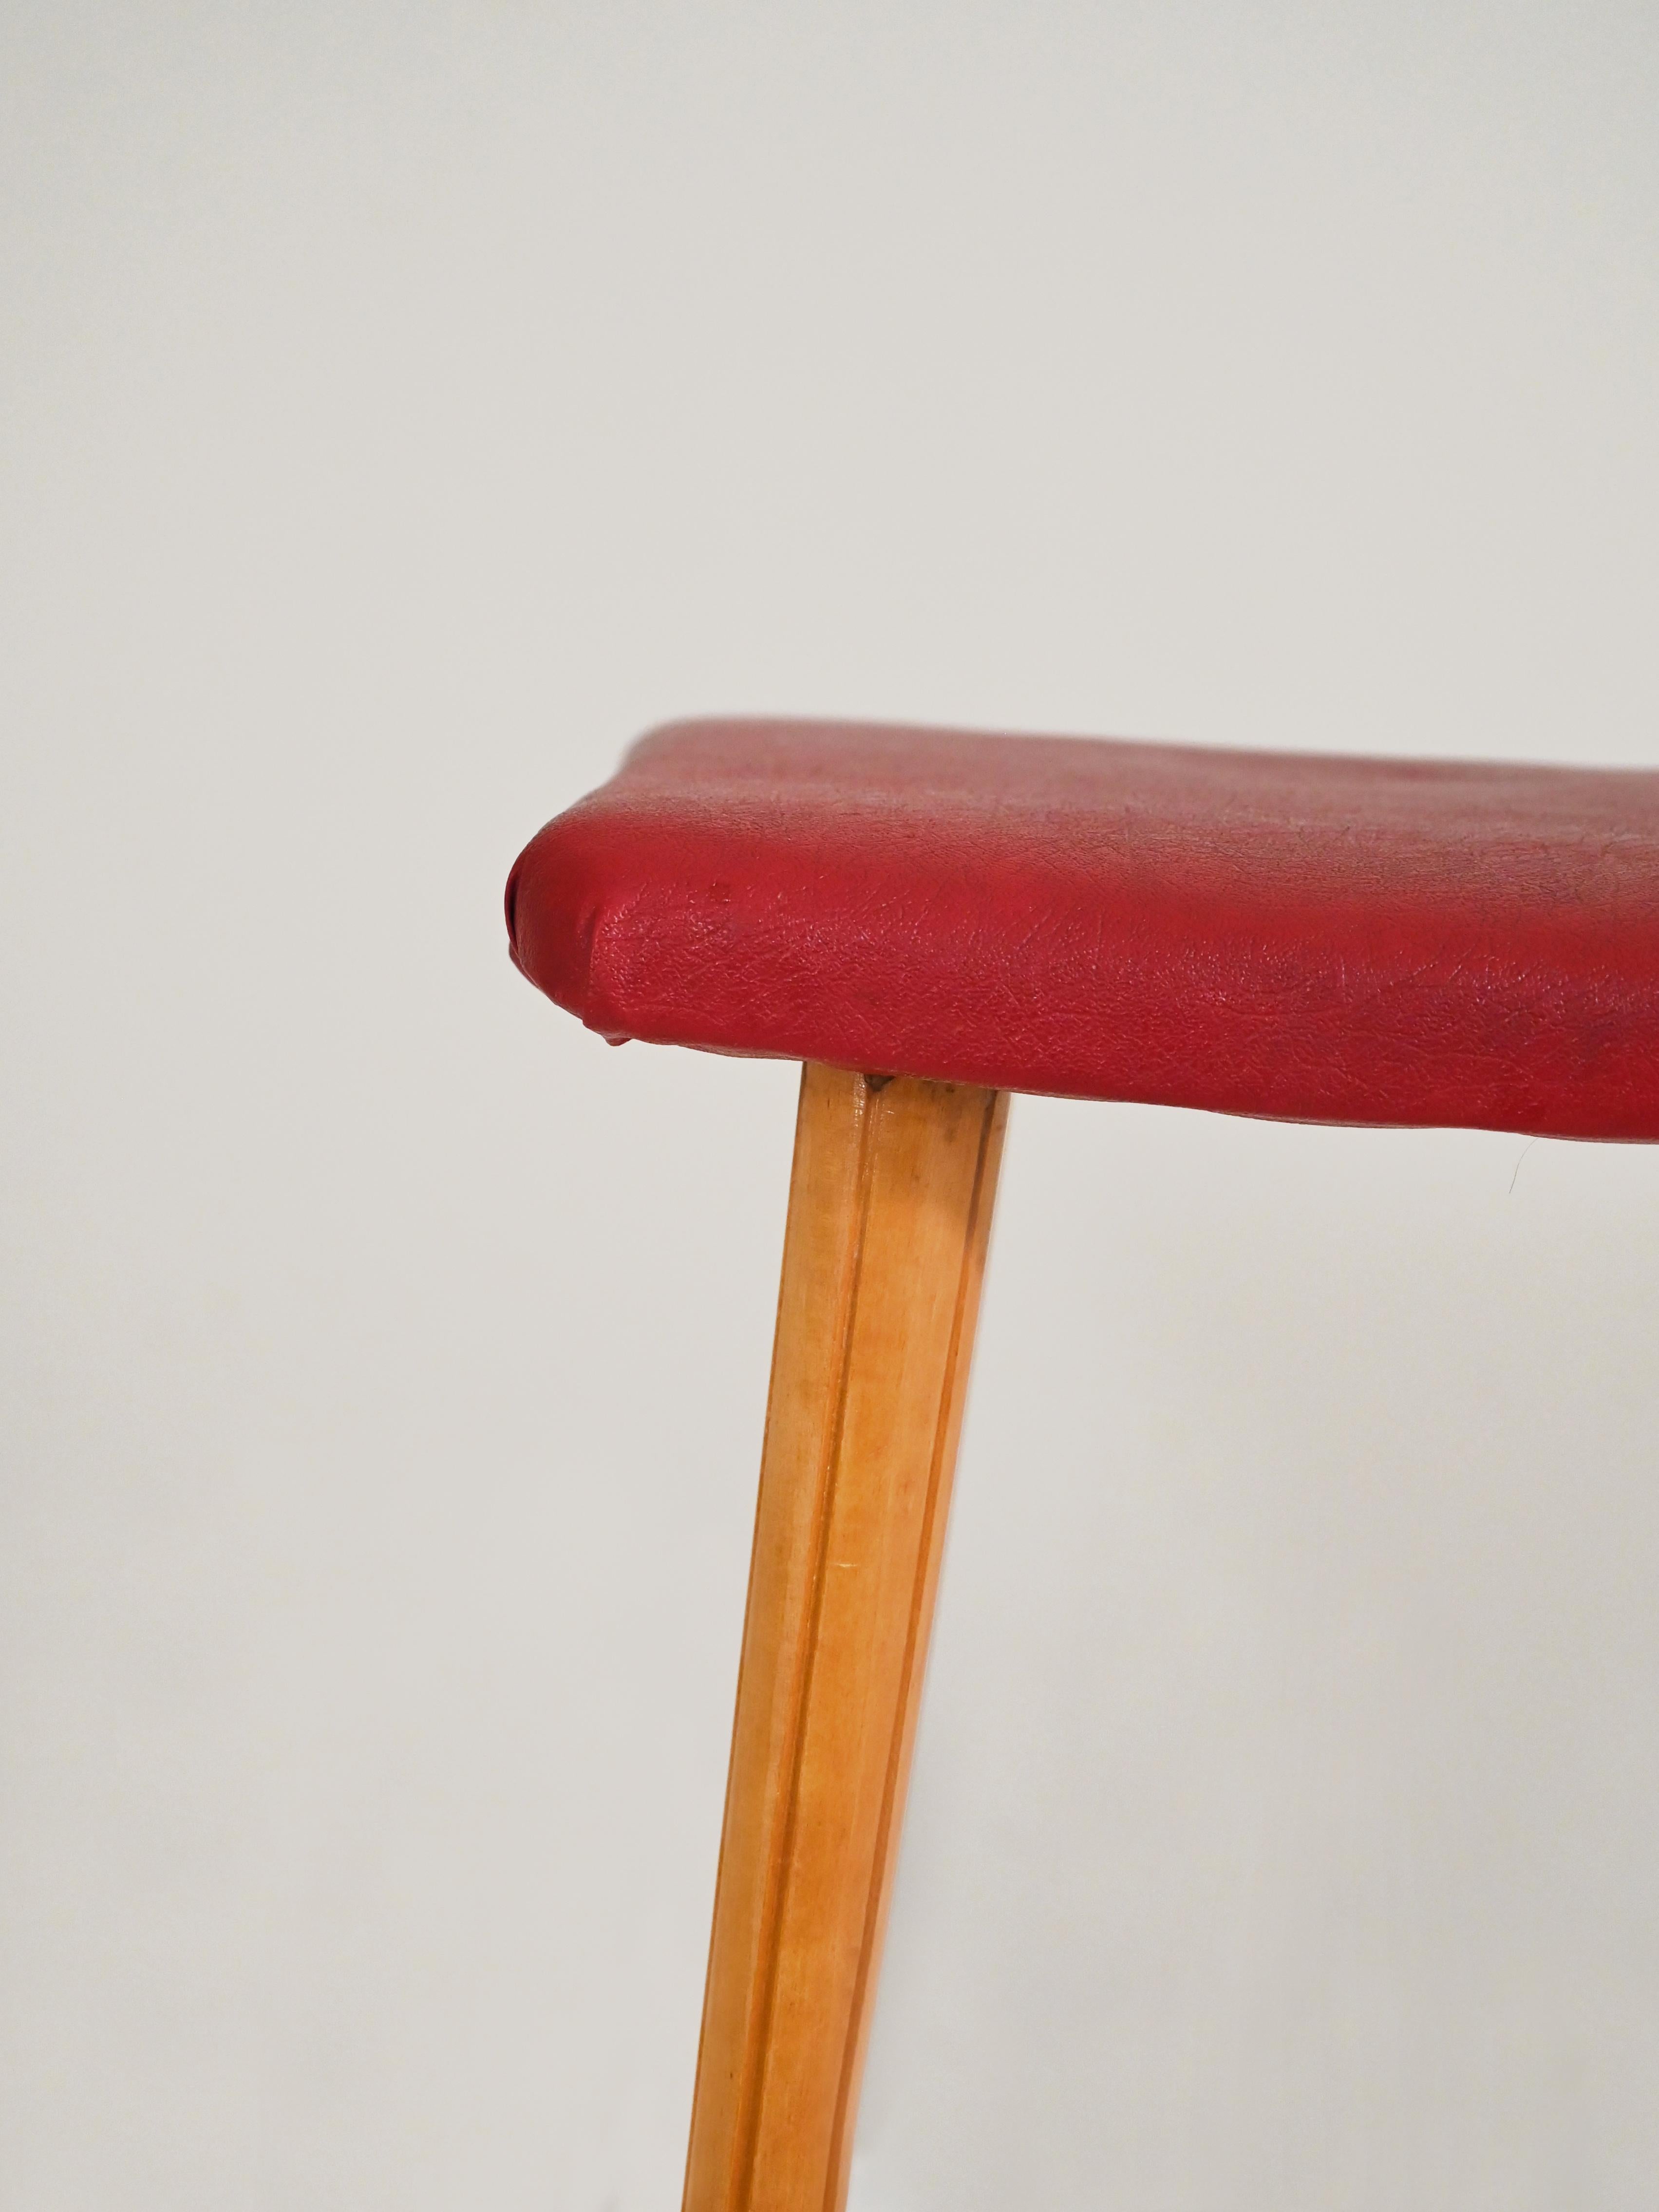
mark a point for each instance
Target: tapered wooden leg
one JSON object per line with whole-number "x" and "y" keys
{"x": 889, "y": 1207}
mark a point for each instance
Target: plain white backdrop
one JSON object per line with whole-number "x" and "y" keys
{"x": 400, "y": 408}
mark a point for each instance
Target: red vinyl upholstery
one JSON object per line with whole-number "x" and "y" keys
{"x": 1314, "y": 938}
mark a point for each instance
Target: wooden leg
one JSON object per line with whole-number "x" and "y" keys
{"x": 889, "y": 1207}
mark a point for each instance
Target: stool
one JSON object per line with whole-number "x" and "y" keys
{"x": 930, "y": 920}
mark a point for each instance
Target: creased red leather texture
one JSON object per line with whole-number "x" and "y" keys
{"x": 1314, "y": 938}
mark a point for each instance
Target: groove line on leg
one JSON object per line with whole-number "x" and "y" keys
{"x": 758, "y": 2055}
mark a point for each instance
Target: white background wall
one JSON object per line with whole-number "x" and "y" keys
{"x": 400, "y": 407}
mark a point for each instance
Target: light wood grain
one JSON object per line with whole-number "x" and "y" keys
{"x": 889, "y": 1208}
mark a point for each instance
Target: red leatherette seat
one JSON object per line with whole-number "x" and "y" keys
{"x": 1320, "y": 939}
